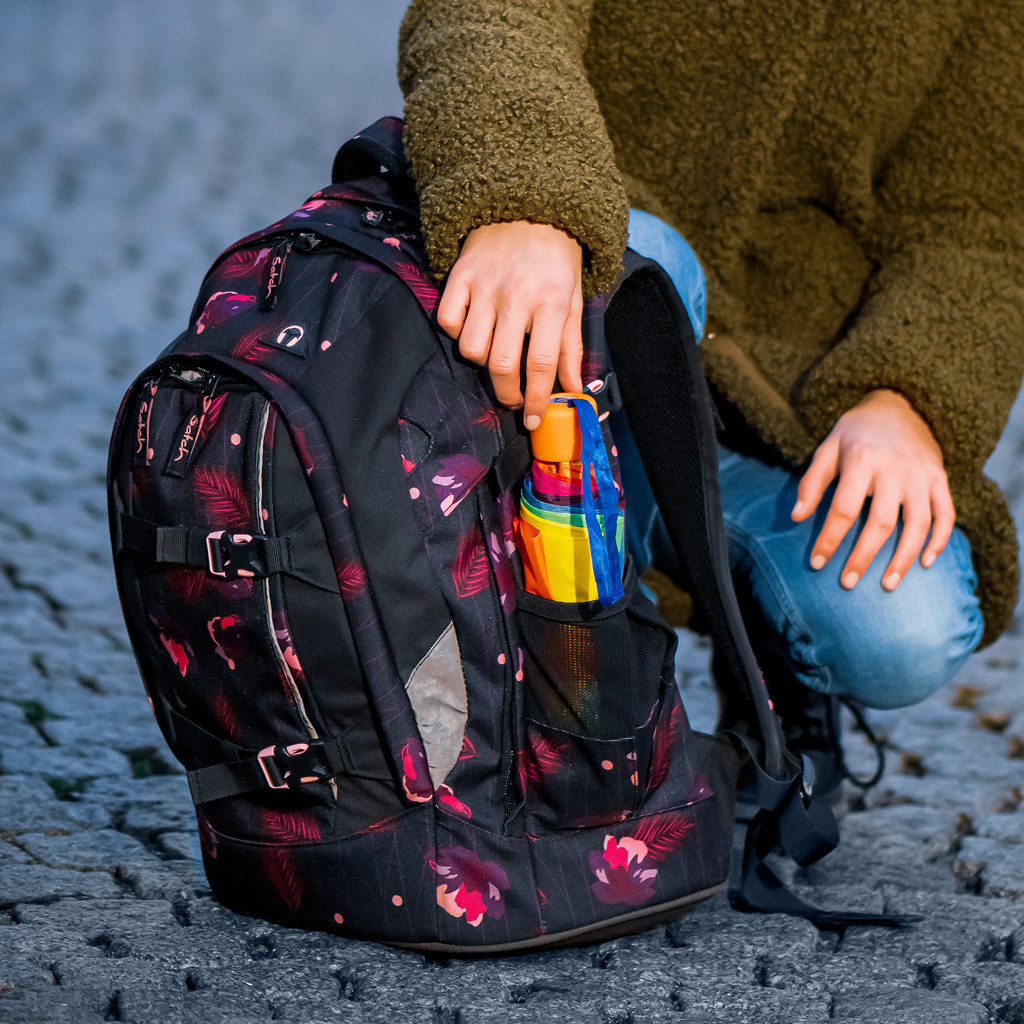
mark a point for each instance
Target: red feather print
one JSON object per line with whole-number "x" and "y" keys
{"x": 662, "y": 833}
{"x": 277, "y": 868}
{"x": 664, "y": 744}
{"x": 469, "y": 573}
{"x": 191, "y": 584}
{"x": 212, "y": 414}
{"x": 187, "y": 583}
{"x": 248, "y": 347}
{"x": 224, "y": 716}
{"x": 420, "y": 285}
{"x": 352, "y": 577}
{"x": 240, "y": 263}
{"x": 543, "y": 756}
{"x": 223, "y": 497}
{"x": 206, "y": 834}
{"x": 290, "y": 828}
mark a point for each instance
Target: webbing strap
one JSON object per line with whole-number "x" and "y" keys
{"x": 229, "y": 554}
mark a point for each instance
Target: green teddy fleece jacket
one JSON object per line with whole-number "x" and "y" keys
{"x": 850, "y": 173}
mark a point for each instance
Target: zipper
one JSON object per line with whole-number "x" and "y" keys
{"x": 182, "y": 453}
{"x": 283, "y": 666}
{"x": 143, "y": 453}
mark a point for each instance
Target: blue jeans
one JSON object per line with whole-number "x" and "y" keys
{"x": 884, "y": 649}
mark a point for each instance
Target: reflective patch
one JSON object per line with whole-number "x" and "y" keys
{"x": 437, "y": 692}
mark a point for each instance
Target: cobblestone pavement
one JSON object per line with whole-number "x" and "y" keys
{"x": 136, "y": 140}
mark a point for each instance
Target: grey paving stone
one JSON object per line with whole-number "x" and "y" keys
{"x": 20, "y": 883}
{"x": 890, "y": 1005}
{"x": 80, "y": 761}
{"x": 30, "y": 805}
{"x": 115, "y": 123}
{"x": 98, "y": 849}
{"x": 1000, "y": 865}
{"x": 179, "y": 845}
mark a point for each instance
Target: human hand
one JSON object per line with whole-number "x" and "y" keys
{"x": 882, "y": 447}
{"x": 514, "y": 278}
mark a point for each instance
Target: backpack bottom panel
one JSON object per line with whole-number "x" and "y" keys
{"x": 429, "y": 880}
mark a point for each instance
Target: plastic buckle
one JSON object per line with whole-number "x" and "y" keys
{"x": 231, "y": 555}
{"x": 292, "y": 766}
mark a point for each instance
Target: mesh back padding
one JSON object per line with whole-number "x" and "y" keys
{"x": 669, "y": 411}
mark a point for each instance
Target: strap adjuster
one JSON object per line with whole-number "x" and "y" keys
{"x": 292, "y": 766}
{"x": 231, "y": 555}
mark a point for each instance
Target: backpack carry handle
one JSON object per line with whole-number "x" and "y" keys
{"x": 379, "y": 145}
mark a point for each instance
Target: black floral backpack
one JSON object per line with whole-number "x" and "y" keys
{"x": 312, "y": 501}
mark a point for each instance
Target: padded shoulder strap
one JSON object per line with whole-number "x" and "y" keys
{"x": 666, "y": 399}
{"x": 379, "y": 145}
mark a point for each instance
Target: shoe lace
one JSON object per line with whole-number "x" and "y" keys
{"x": 876, "y": 743}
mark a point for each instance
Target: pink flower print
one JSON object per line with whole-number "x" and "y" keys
{"x": 179, "y": 652}
{"x": 446, "y": 796}
{"x": 458, "y": 475}
{"x": 623, "y": 872}
{"x": 221, "y": 306}
{"x": 498, "y": 554}
{"x": 415, "y": 776}
{"x": 285, "y": 642}
{"x": 469, "y": 886}
{"x": 221, "y": 623}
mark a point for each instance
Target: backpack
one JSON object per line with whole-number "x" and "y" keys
{"x": 312, "y": 501}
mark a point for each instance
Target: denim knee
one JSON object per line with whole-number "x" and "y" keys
{"x": 895, "y": 649}
{"x": 650, "y": 236}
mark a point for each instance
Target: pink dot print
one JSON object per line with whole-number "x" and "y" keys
{"x": 397, "y": 900}
{"x": 324, "y": 345}
{"x": 236, "y": 438}
{"x": 501, "y": 659}
{"x": 607, "y": 765}
{"x": 339, "y": 919}
{"x": 334, "y": 277}
{"x": 414, "y": 493}
{"x": 264, "y": 514}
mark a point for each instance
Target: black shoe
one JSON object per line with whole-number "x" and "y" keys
{"x": 812, "y": 727}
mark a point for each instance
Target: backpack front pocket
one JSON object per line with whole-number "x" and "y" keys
{"x": 595, "y": 680}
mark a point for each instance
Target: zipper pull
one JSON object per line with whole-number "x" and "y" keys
{"x": 143, "y": 453}
{"x": 179, "y": 458}
{"x": 274, "y": 274}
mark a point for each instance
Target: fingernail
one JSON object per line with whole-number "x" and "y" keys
{"x": 850, "y": 580}
{"x": 928, "y": 559}
{"x": 817, "y": 561}
{"x": 891, "y": 582}
{"x": 797, "y": 509}
{"x": 532, "y": 422}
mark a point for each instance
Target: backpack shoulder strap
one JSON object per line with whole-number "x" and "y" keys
{"x": 670, "y": 410}
{"x": 379, "y": 145}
